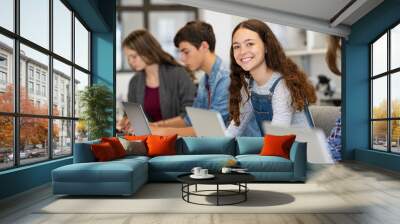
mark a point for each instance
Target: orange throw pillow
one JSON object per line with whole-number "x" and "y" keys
{"x": 277, "y": 145}
{"x": 116, "y": 145}
{"x": 161, "y": 145}
{"x": 136, "y": 137}
{"x": 103, "y": 152}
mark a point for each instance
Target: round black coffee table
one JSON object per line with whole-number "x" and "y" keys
{"x": 238, "y": 179}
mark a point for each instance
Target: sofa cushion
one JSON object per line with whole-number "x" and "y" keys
{"x": 249, "y": 145}
{"x": 132, "y": 158}
{"x": 185, "y": 163}
{"x": 136, "y": 137}
{"x": 206, "y": 145}
{"x": 116, "y": 145}
{"x": 103, "y": 151}
{"x": 134, "y": 147}
{"x": 112, "y": 171}
{"x": 161, "y": 145}
{"x": 275, "y": 145}
{"x": 83, "y": 152}
{"x": 257, "y": 163}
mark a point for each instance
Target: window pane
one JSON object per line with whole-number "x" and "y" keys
{"x": 62, "y": 89}
{"x": 132, "y": 2}
{"x": 161, "y": 24}
{"x": 6, "y": 142}
{"x": 379, "y": 55}
{"x": 81, "y": 81}
{"x": 379, "y": 97}
{"x": 395, "y": 94}
{"x": 35, "y": 21}
{"x": 62, "y": 29}
{"x": 81, "y": 131}
{"x": 34, "y": 97}
{"x": 7, "y": 14}
{"x": 395, "y": 136}
{"x": 6, "y": 74}
{"x": 130, "y": 21}
{"x": 33, "y": 139}
{"x": 81, "y": 45}
{"x": 62, "y": 141}
{"x": 379, "y": 135}
{"x": 395, "y": 47}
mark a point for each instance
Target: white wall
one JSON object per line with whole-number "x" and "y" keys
{"x": 222, "y": 30}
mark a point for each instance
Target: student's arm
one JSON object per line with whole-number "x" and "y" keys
{"x": 186, "y": 131}
{"x": 175, "y": 122}
{"x": 246, "y": 114}
{"x": 186, "y": 91}
{"x": 131, "y": 90}
{"x": 282, "y": 105}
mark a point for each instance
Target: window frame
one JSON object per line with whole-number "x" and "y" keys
{"x": 16, "y": 114}
{"x": 388, "y": 74}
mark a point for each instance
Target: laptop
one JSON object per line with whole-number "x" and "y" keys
{"x": 138, "y": 119}
{"x": 206, "y": 123}
{"x": 317, "y": 146}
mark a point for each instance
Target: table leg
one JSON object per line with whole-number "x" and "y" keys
{"x": 188, "y": 189}
{"x": 217, "y": 194}
{"x": 245, "y": 191}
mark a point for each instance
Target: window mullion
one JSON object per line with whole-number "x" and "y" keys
{"x": 371, "y": 92}
{"x": 50, "y": 81}
{"x": 16, "y": 84}
{"x": 389, "y": 106}
{"x": 73, "y": 82}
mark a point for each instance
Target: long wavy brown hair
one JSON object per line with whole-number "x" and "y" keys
{"x": 332, "y": 54}
{"x": 301, "y": 89}
{"x": 150, "y": 50}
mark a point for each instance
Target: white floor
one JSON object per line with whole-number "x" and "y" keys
{"x": 378, "y": 189}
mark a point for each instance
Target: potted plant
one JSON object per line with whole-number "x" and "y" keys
{"x": 96, "y": 103}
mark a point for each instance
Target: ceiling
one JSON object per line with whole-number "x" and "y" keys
{"x": 326, "y": 16}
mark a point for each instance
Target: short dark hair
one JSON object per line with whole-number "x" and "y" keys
{"x": 196, "y": 32}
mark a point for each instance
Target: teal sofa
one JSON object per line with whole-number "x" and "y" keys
{"x": 125, "y": 176}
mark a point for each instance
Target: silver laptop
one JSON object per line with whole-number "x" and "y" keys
{"x": 206, "y": 122}
{"x": 138, "y": 119}
{"x": 317, "y": 146}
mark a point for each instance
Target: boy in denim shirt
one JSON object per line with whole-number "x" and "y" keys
{"x": 196, "y": 43}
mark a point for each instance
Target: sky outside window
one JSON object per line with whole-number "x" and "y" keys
{"x": 7, "y": 14}
{"x": 62, "y": 29}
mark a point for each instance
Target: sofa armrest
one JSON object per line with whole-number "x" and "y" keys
{"x": 298, "y": 155}
{"x": 83, "y": 152}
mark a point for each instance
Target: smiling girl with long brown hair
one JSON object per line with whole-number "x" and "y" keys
{"x": 265, "y": 83}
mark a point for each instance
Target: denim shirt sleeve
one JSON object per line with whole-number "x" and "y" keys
{"x": 220, "y": 99}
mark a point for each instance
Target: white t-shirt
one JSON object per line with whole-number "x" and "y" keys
{"x": 283, "y": 113}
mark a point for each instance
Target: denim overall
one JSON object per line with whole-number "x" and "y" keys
{"x": 262, "y": 105}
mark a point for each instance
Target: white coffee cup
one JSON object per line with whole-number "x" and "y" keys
{"x": 226, "y": 170}
{"x": 196, "y": 170}
{"x": 203, "y": 172}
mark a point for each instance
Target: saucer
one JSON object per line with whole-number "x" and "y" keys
{"x": 208, "y": 176}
